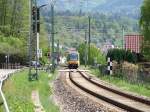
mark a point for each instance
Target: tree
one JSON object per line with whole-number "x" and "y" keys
{"x": 117, "y": 54}
{"x": 145, "y": 27}
{"x": 121, "y": 55}
{"x": 13, "y": 17}
{"x": 95, "y": 54}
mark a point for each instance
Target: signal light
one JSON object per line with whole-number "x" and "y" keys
{"x": 38, "y": 14}
{"x": 36, "y": 19}
{"x": 33, "y": 12}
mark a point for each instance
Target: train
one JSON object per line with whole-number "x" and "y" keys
{"x": 73, "y": 59}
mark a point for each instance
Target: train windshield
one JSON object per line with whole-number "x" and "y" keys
{"x": 73, "y": 56}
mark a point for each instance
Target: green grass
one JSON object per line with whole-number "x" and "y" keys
{"x": 1, "y": 105}
{"x": 18, "y": 92}
{"x": 141, "y": 89}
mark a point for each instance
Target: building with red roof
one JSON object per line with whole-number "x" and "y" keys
{"x": 133, "y": 43}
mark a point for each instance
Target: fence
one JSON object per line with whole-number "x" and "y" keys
{"x": 10, "y": 66}
{"x": 133, "y": 74}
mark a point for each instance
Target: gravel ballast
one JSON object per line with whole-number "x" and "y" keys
{"x": 70, "y": 100}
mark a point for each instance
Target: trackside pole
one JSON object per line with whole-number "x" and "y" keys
{"x": 109, "y": 66}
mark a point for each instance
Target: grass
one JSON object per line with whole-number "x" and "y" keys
{"x": 18, "y": 92}
{"x": 1, "y": 105}
{"x": 141, "y": 89}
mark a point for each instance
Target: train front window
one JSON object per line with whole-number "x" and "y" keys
{"x": 73, "y": 56}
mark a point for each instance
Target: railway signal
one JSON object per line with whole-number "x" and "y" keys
{"x": 38, "y": 19}
{"x": 34, "y": 50}
{"x": 34, "y": 18}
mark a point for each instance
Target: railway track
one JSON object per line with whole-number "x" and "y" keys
{"x": 115, "y": 97}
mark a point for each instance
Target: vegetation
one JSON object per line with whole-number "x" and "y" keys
{"x": 18, "y": 92}
{"x": 144, "y": 23}
{"x": 141, "y": 89}
{"x": 14, "y": 31}
{"x": 13, "y": 18}
{"x": 95, "y": 55}
{"x": 71, "y": 27}
{"x": 120, "y": 55}
{"x": 128, "y": 7}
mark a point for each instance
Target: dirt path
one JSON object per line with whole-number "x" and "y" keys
{"x": 36, "y": 101}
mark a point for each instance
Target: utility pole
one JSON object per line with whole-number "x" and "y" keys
{"x": 38, "y": 32}
{"x": 36, "y": 36}
{"x": 89, "y": 41}
{"x": 58, "y": 46}
{"x": 58, "y": 52}
{"x": 52, "y": 36}
{"x": 86, "y": 54}
{"x": 122, "y": 37}
{"x": 39, "y": 51}
{"x": 104, "y": 32}
{"x": 30, "y": 36}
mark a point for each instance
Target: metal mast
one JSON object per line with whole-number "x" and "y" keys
{"x": 52, "y": 36}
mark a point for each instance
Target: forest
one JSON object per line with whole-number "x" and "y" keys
{"x": 14, "y": 30}
{"x": 71, "y": 26}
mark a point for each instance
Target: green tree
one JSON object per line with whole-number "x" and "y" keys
{"x": 95, "y": 54}
{"x": 14, "y": 24}
{"x": 121, "y": 55}
{"x": 117, "y": 54}
{"x": 145, "y": 27}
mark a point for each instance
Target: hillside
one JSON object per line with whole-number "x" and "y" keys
{"x": 130, "y": 8}
{"x": 108, "y": 22}
{"x": 105, "y": 6}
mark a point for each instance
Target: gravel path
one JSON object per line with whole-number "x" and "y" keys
{"x": 71, "y": 101}
{"x": 36, "y": 101}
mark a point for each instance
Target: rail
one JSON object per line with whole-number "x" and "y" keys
{"x": 107, "y": 99}
{"x": 146, "y": 101}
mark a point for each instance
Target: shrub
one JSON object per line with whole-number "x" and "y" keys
{"x": 120, "y": 55}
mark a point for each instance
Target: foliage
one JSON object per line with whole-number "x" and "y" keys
{"x": 14, "y": 27}
{"x": 14, "y": 16}
{"x": 14, "y": 47}
{"x": 95, "y": 54}
{"x": 145, "y": 27}
{"x": 129, "y": 8}
{"x": 43, "y": 60}
{"x": 120, "y": 55}
{"x": 70, "y": 27}
{"x": 131, "y": 56}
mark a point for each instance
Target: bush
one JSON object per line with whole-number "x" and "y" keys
{"x": 120, "y": 55}
{"x": 43, "y": 60}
